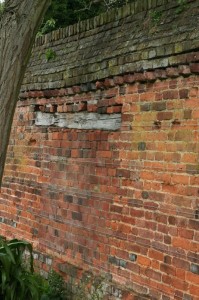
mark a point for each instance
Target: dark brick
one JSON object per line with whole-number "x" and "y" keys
{"x": 35, "y": 231}
{"x": 133, "y": 257}
{"x": 167, "y": 239}
{"x": 76, "y": 216}
{"x": 192, "y": 169}
{"x": 159, "y": 106}
{"x": 145, "y": 107}
{"x": 170, "y": 94}
{"x": 80, "y": 201}
{"x": 53, "y": 195}
{"x": 122, "y": 263}
{"x": 68, "y": 269}
{"x": 167, "y": 259}
{"x": 141, "y": 146}
{"x": 101, "y": 110}
{"x": 165, "y": 298}
{"x": 113, "y": 260}
{"x": 197, "y": 214}
{"x": 118, "y": 262}
{"x": 193, "y": 257}
{"x": 184, "y": 93}
{"x": 145, "y": 195}
{"x": 67, "y": 153}
{"x": 68, "y": 198}
{"x": 56, "y": 232}
{"x": 194, "y": 68}
{"x": 188, "y": 114}
{"x": 123, "y": 173}
{"x": 187, "y": 297}
{"x": 194, "y": 269}
{"x": 142, "y": 88}
{"x": 116, "y": 208}
{"x": 194, "y": 224}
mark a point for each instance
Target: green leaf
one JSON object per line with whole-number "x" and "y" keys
{"x": 6, "y": 249}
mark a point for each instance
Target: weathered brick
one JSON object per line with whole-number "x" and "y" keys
{"x": 133, "y": 257}
{"x": 180, "y": 263}
{"x": 194, "y": 67}
{"x": 164, "y": 116}
{"x": 77, "y": 216}
{"x": 187, "y": 114}
{"x": 68, "y": 198}
{"x": 167, "y": 269}
{"x": 159, "y": 106}
{"x": 184, "y": 93}
{"x": 170, "y": 94}
{"x": 141, "y": 146}
{"x": 145, "y": 107}
{"x": 172, "y": 72}
{"x": 153, "y": 274}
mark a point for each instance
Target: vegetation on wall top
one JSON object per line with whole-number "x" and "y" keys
{"x": 62, "y": 13}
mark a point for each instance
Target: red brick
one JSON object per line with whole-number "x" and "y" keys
{"x": 156, "y": 255}
{"x": 184, "y": 70}
{"x": 180, "y": 284}
{"x": 164, "y": 116}
{"x": 194, "y": 67}
{"x": 129, "y": 78}
{"x": 153, "y": 274}
{"x": 167, "y": 269}
{"x": 114, "y": 109}
{"x": 172, "y": 72}
{"x": 170, "y": 94}
{"x": 193, "y": 278}
{"x": 118, "y": 80}
{"x": 180, "y": 263}
{"x": 185, "y": 233}
{"x": 194, "y": 289}
{"x": 143, "y": 261}
{"x": 181, "y": 243}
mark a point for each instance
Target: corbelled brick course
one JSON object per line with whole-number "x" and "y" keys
{"x": 120, "y": 202}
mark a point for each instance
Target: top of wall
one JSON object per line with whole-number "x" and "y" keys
{"x": 143, "y": 35}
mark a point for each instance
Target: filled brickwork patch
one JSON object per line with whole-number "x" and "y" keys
{"x": 92, "y": 114}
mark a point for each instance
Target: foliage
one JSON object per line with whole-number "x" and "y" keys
{"x": 50, "y": 54}
{"x": 47, "y": 27}
{"x": 182, "y": 5}
{"x": 67, "y": 12}
{"x": 90, "y": 287}
{"x": 156, "y": 16}
{"x": 16, "y": 280}
{"x": 62, "y": 13}
{"x": 1, "y": 8}
{"x": 56, "y": 289}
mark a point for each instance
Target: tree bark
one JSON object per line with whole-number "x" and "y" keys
{"x": 18, "y": 27}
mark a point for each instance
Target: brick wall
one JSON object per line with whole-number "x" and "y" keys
{"x": 122, "y": 201}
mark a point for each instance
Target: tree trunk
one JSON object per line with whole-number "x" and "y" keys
{"x": 18, "y": 27}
